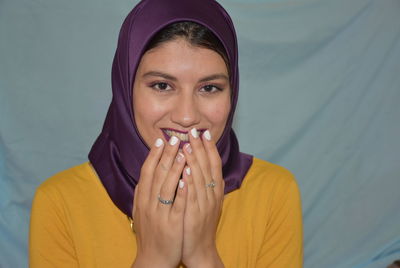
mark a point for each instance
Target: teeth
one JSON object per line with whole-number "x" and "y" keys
{"x": 181, "y": 136}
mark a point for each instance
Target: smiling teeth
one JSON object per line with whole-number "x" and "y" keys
{"x": 181, "y": 136}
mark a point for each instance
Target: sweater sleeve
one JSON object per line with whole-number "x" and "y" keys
{"x": 283, "y": 239}
{"x": 50, "y": 244}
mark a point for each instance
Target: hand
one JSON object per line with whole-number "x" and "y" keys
{"x": 159, "y": 227}
{"x": 203, "y": 204}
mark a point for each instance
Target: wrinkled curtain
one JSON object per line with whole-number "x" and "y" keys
{"x": 320, "y": 94}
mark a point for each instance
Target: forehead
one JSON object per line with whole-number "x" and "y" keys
{"x": 179, "y": 55}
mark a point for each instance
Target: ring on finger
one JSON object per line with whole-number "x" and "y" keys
{"x": 211, "y": 184}
{"x": 165, "y": 201}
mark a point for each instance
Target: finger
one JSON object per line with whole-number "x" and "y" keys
{"x": 215, "y": 161}
{"x": 203, "y": 161}
{"x": 178, "y": 208}
{"x": 147, "y": 170}
{"x": 168, "y": 189}
{"x": 196, "y": 177}
{"x": 166, "y": 161}
{"x": 191, "y": 200}
{"x": 199, "y": 152}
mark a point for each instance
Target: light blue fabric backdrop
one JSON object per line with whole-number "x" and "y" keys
{"x": 320, "y": 95}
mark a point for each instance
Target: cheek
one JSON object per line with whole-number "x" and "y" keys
{"x": 218, "y": 113}
{"x": 147, "y": 112}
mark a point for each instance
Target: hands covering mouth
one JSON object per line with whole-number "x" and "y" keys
{"x": 178, "y": 202}
{"x": 183, "y": 136}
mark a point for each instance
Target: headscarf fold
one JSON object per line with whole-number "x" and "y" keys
{"x": 119, "y": 152}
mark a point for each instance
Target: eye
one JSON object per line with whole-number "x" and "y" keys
{"x": 161, "y": 86}
{"x": 210, "y": 89}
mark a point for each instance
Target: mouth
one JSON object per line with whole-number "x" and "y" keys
{"x": 183, "y": 136}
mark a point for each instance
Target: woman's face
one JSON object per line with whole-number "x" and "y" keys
{"x": 179, "y": 87}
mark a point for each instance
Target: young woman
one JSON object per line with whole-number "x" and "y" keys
{"x": 166, "y": 185}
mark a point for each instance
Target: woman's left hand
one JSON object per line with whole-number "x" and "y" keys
{"x": 203, "y": 177}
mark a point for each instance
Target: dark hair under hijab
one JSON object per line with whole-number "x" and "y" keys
{"x": 194, "y": 33}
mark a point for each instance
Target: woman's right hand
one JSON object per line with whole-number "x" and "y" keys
{"x": 158, "y": 226}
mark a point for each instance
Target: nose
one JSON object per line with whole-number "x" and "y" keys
{"x": 185, "y": 111}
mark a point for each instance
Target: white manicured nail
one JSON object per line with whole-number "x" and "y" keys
{"x": 194, "y": 133}
{"x": 188, "y": 171}
{"x": 159, "y": 142}
{"x": 207, "y": 135}
{"x": 180, "y": 157}
{"x": 181, "y": 184}
{"x": 188, "y": 148}
{"x": 174, "y": 140}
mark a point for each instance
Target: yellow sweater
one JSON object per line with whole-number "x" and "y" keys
{"x": 74, "y": 223}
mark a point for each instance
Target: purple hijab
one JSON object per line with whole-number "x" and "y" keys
{"x": 119, "y": 151}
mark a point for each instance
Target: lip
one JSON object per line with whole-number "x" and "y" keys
{"x": 182, "y": 143}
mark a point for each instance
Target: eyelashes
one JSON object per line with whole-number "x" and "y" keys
{"x": 165, "y": 87}
{"x": 161, "y": 86}
{"x": 211, "y": 88}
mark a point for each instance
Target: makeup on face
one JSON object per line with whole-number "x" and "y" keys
{"x": 179, "y": 87}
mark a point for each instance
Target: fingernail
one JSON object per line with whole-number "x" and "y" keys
{"x": 207, "y": 135}
{"x": 188, "y": 148}
{"x": 174, "y": 140}
{"x": 181, "y": 184}
{"x": 159, "y": 142}
{"x": 188, "y": 171}
{"x": 179, "y": 157}
{"x": 194, "y": 133}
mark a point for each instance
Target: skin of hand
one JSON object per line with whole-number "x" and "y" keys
{"x": 188, "y": 228}
{"x": 203, "y": 204}
{"x": 179, "y": 86}
{"x": 159, "y": 227}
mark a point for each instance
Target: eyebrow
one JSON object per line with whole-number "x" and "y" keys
{"x": 214, "y": 77}
{"x": 173, "y": 78}
{"x": 160, "y": 74}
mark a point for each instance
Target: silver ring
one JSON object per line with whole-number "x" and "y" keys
{"x": 211, "y": 184}
{"x": 165, "y": 201}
